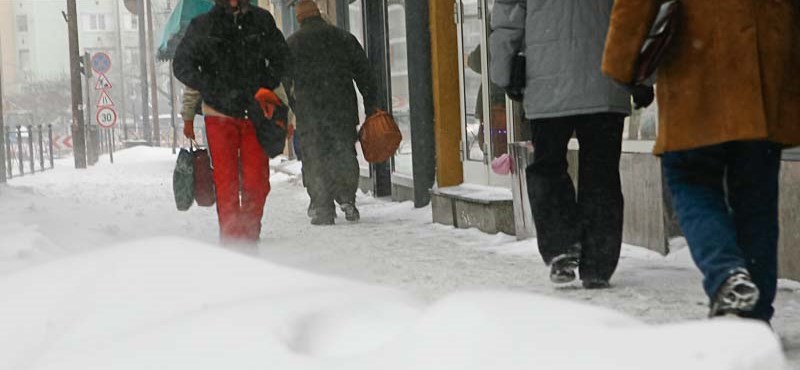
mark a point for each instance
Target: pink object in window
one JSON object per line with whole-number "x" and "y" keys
{"x": 502, "y": 165}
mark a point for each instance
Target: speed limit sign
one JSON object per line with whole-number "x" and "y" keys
{"x": 106, "y": 117}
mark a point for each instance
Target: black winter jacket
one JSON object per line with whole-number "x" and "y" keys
{"x": 229, "y": 57}
{"x": 325, "y": 62}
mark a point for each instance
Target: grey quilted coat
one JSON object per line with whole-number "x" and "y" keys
{"x": 563, "y": 41}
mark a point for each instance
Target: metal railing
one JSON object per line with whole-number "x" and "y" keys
{"x": 29, "y": 150}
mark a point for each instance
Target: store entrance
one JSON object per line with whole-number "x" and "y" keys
{"x": 488, "y": 119}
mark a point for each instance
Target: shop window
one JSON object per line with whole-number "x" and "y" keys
{"x": 398, "y": 63}
{"x": 356, "y": 23}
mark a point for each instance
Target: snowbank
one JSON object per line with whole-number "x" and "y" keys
{"x": 176, "y": 304}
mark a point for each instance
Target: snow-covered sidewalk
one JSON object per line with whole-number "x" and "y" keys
{"x": 67, "y": 212}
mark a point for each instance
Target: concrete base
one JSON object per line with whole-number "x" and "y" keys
{"x": 649, "y": 220}
{"x": 402, "y": 188}
{"x": 790, "y": 221}
{"x": 466, "y": 209}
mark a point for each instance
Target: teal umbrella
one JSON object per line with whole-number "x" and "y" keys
{"x": 184, "y": 12}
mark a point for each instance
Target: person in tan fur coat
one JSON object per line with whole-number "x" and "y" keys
{"x": 728, "y": 92}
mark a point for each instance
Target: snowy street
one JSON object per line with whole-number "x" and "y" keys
{"x": 52, "y": 218}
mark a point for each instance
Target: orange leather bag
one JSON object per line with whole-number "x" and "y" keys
{"x": 380, "y": 137}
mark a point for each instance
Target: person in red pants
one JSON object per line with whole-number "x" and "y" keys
{"x": 230, "y": 55}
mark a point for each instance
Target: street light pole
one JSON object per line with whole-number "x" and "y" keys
{"x": 148, "y": 132}
{"x": 153, "y": 75}
{"x": 78, "y": 132}
{"x": 3, "y": 178}
{"x": 121, "y": 58}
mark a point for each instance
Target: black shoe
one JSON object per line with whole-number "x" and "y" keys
{"x": 312, "y": 212}
{"x": 737, "y": 295}
{"x": 351, "y": 212}
{"x": 562, "y": 269}
{"x": 595, "y": 284}
{"x": 321, "y": 219}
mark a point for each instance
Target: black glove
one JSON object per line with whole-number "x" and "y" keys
{"x": 515, "y": 94}
{"x": 643, "y": 95}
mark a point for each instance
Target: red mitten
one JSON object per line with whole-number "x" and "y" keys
{"x": 267, "y": 99}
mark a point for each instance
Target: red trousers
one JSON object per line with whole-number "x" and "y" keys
{"x": 241, "y": 177}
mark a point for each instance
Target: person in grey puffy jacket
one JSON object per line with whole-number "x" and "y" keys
{"x": 566, "y": 95}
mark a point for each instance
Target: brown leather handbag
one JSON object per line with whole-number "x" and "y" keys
{"x": 662, "y": 32}
{"x": 380, "y": 137}
{"x": 204, "y": 193}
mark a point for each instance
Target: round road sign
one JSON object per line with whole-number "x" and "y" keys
{"x": 101, "y": 63}
{"x": 106, "y": 117}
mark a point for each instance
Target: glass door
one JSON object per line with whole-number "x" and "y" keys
{"x": 483, "y": 104}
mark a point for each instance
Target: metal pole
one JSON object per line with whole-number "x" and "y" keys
{"x": 423, "y": 140}
{"x": 92, "y": 139}
{"x": 10, "y": 166}
{"x": 111, "y": 144}
{"x": 41, "y": 148}
{"x": 3, "y": 177}
{"x": 30, "y": 149}
{"x": 103, "y": 139}
{"x": 78, "y": 134}
{"x": 50, "y": 137}
{"x": 148, "y": 132}
{"x": 121, "y": 61}
{"x": 20, "y": 154}
{"x": 377, "y": 45}
{"x": 173, "y": 109}
{"x": 153, "y": 75}
{"x": 343, "y": 14}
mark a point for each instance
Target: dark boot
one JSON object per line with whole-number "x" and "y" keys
{"x": 351, "y": 212}
{"x": 322, "y": 219}
{"x": 562, "y": 268}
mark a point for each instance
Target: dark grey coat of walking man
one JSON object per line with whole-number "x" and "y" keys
{"x": 566, "y": 94}
{"x": 326, "y": 61}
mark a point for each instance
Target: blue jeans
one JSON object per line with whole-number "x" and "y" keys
{"x": 726, "y": 198}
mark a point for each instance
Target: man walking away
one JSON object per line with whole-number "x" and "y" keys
{"x": 228, "y": 55}
{"x": 566, "y": 94}
{"x": 326, "y": 61}
{"x": 729, "y": 102}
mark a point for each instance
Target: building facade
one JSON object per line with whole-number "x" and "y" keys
{"x": 471, "y": 123}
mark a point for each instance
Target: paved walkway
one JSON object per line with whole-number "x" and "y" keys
{"x": 394, "y": 245}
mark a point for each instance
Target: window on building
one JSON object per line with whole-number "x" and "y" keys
{"x": 96, "y": 22}
{"x": 24, "y": 60}
{"x": 131, "y": 22}
{"x": 22, "y": 23}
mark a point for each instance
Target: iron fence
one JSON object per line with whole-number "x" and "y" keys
{"x": 29, "y": 149}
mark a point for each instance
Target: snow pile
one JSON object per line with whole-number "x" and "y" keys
{"x": 24, "y": 242}
{"x": 176, "y": 304}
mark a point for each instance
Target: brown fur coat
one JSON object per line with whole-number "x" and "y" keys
{"x": 732, "y": 73}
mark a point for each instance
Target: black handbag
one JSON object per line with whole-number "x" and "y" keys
{"x": 271, "y": 132}
{"x": 659, "y": 38}
{"x": 183, "y": 180}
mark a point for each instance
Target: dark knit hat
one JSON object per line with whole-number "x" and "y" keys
{"x": 306, "y": 9}
{"x": 243, "y": 4}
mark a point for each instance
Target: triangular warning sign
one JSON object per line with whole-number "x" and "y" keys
{"x": 105, "y": 100}
{"x": 102, "y": 83}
